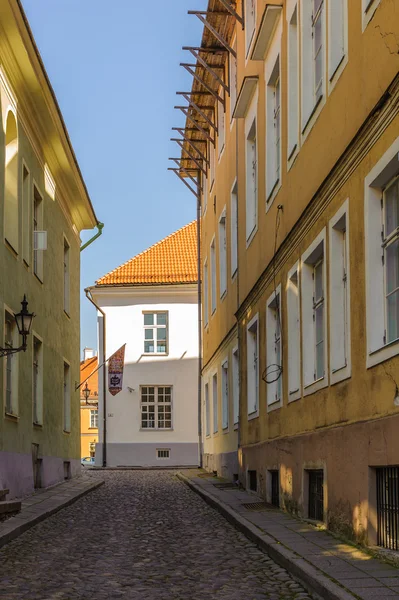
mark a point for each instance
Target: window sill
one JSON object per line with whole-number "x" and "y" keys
{"x": 382, "y": 354}
{"x": 66, "y": 432}
{"x": 38, "y": 278}
{"x": 315, "y": 386}
{"x": 312, "y": 114}
{"x": 223, "y": 296}
{"x": 11, "y": 416}
{"x": 337, "y": 68}
{"x": 156, "y": 429}
{"x": 236, "y": 426}
{"x": 251, "y": 236}
{"x": 11, "y": 248}
{"x": 275, "y": 405}
{"x": 225, "y": 430}
{"x": 234, "y": 274}
{"x": 67, "y": 314}
{"x": 272, "y": 193}
{"x": 155, "y": 354}
{"x": 39, "y": 425}
{"x": 291, "y": 154}
{"x": 91, "y": 428}
{"x": 294, "y": 395}
{"x": 253, "y": 415}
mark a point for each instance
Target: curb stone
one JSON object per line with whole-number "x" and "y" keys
{"x": 14, "y": 527}
{"x": 310, "y": 577}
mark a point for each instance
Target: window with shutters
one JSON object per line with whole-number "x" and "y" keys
{"x": 207, "y": 411}
{"x": 211, "y": 155}
{"x": 233, "y": 78}
{"x": 213, "y": 277}
{"x": 222, "y": 254}
{"x": 253, "y": 367}
{"x": 221, "y": 123}
{"x": 37, "y": 226}
{"x": 250, "y": 21}
{"x": 339, "y": 293}
{"x": 293, "y": 84}
{"x": 225, "y": 394}
{"x": 273, "y": 131}
{"x": 26, "y": 214}
{"x": 318, "y": 43}
{"x": 337, "y": 36}
{"x": 234, "y": 229}
{"x": 236, "y": 385}
{"x": 251, "y": 171}
{"x": 274, "y": 364}
{"x": 206, "y": 293}
{"x": 382, "y": 257}
{"x": 293, "y": 334}
{"x": 314, "y": 316}
{"x": 215, "y": 402}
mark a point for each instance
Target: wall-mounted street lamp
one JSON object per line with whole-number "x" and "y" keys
{"x": 23, "y": 320}
{"x": 86, "y": 392}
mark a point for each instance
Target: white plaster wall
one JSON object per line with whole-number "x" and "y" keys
{"x": 125, "y": 324}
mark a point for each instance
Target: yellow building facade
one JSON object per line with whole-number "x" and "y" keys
{"x": 88, "y": 404}
{"x": 299, "y": 250}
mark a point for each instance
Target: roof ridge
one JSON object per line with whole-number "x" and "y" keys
{"x": 143, "y": 252}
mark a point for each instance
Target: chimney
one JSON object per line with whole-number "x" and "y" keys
{"x": 88, "y": 353}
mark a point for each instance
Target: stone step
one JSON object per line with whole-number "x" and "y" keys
{"x": 3, "y": 494}
{"x": 9, "y": 507}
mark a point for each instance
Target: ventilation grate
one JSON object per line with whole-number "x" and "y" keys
{"x": 258, "y": 506}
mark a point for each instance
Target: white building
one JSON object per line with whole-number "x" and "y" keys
{"x": 150, "y": 304}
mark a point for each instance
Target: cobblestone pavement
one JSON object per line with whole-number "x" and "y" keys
{"x": 143, "y": 535}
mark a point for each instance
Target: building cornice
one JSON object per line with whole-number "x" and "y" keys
{"x": 144, "y": 290}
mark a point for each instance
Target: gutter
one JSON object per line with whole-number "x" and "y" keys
{"x": 90, "y": 298}
{"x": 100, "y": 227}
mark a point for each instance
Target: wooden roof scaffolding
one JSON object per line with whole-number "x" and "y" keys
{"x": 211, "y": 83}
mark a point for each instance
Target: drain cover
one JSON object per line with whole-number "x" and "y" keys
{"x": 259, "y": 506}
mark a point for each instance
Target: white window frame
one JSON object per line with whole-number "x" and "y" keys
{"x": 337, "y": 11}
{"x": 212, "y": 161}
{"x": 67, "y": 275}
{"x": 156, "y": 404}
{"x": 274, "y": 349}
{"x": 10, "y": 366}
{"x": 251, "y": 170}
{"x": 66, "y": 426}
{"x": 368, "y": 9}
{"x": 381, "y": 174}
{"x": 293, "y": 93}
{"x": 222, "y": 254}
{"x": 250, "y": 24}
{"x": 207, "y": 410}
{"x": 225, "y": 395}
{"x": 310, "y": 105}
{"x": 215, "y": 411}
{"x": 213, "y": 275}
{"x": 221, "y": 115}
{"x": 236, "y": 385}
{"x": 233, "y": 79}
{"x": 93, "y": 418}
{"x": 11, "y": 208}
{"x": 206, "y": 293}
{"x": 37, "y": 381}
{"x": 234, "y": 229}
{"x": 253, "y": 367}
{"x": 26, "y": 189}
{"x": 37, "y": 225}
{"x": 155, "y": 327}
{"x": 309, "y": 260}
{"x": 294, "y": 333}
{"x": 339, "y": 295}
{"x": 274, "y": 140}
{"x": 205, "y": 192}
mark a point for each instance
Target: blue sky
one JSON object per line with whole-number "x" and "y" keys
{"x": 114, "y": 67}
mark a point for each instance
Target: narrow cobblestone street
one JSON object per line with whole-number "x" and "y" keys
{"x": 143, "y": 535}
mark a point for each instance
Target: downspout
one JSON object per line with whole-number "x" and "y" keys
{"x": 90, "y": 298}
{"x": 199, "y": 322}
{"x": 100, "y": 227}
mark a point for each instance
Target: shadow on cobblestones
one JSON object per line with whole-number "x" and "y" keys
{"x": 143, "y": 536}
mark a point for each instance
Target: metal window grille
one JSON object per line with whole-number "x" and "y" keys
{"x": 388, "y": 507}
{"x": 316, "y": 494}
{"x": 163, "y": 453}
{"x": 275, "y": 485}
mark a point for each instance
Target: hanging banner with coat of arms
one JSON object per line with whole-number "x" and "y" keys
{"x": 115, "y": 371}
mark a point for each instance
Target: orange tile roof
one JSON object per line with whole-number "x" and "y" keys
{"x": 172, "y": 260}
{"x": 86, "y": 368}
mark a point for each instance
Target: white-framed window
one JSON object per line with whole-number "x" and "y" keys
{"x": 163, "y": 453}
{"x": 66, "y": 277}
{"x": 234, "y": 229}
{"x": 368, "y": 8}
{"x": 273, "y": 130}
{"x": 206, "y": 293}
{"x": 313, "y": 26}
{"x": 380, "y": 210}
{"x": 67, "y": 398}
{"x": 233, "y": 78}
{"x": 215, "y": 402}
{"x": 222, "y": 254}
{"x": 250, "y": 22}
{"x": 10, "y": 365}
{"x": 274, "y": 359}
{"x": 225, "y": 394}
{"x": 293, "y": 84}
{"x": 251, "y": 171}
{"x": 156, "y": 406}
{"x": 11, "y": 205}
{"x": 221, "y": 123}
{"x": 294, "y": 334}
{"x": 93, "y": 418}
{"x": 37, "y": 381}
{"x": 205, "y": 191}
{"x": 37, "y": 226}
{"x": 211, "y": 165}
{"x": 155, "y": 332}
{"x": 314, "y": 315}
{"x": 339, "y": 295}
{"x": 253, "y": 365}
{"x": 236, "y": 385}
{"x": 207, "y": 411}
{"x": 26, "y": 214}
{"x": 213, "y": 276}
{"x": 337, "y": 34}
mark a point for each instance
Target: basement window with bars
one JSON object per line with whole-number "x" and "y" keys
{"x": 163, "y": 453}
{"x": 156, "y": 407}
{"x": 388, "y": 507}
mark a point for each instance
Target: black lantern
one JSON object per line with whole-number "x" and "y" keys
{"x": 86, "y": 392}
{"x": 23, "y": 320}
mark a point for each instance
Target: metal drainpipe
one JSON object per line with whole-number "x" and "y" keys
{"x": 238, "y": 295}
{"x": 90, "y": 298}
{"x": 199, "y": 321}
{"x": 100, "y": 227}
